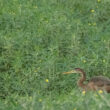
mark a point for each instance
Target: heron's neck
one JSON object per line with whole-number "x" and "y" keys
{"x": 82, "y": 79}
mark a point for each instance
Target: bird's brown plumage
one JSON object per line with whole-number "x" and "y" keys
{"x": 95, "y": 83}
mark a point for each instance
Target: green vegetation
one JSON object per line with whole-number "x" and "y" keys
{"x": 40, "y": 39}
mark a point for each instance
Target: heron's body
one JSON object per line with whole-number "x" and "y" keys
{"x": 100, "y": 80}
{"x": 95, "y": 83}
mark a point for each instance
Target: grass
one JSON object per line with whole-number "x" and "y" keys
{"x": 40, "y": 39}
{"x": 75, "y": 100}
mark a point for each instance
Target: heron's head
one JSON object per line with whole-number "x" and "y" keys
{"x": 76, "y": 70}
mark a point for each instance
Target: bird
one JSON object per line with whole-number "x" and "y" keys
{"x": 94, "y": 84}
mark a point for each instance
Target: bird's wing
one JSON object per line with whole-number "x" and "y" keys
{"x": 100, "y": 81}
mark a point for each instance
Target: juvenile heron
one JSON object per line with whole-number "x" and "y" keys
{"x": 95, "y": 83}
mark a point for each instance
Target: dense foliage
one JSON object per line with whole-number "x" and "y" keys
{"x": 40, "y": 39}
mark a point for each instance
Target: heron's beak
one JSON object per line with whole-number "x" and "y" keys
{"x": 69, "y": 72}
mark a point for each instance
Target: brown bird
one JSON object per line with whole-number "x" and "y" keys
{"x": 95, "y": 83}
